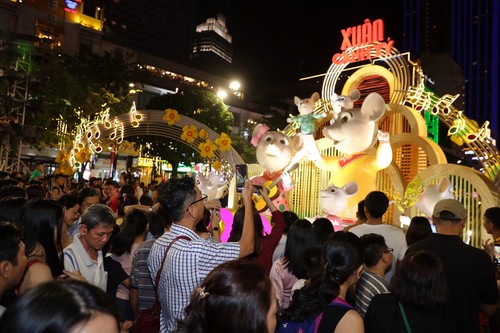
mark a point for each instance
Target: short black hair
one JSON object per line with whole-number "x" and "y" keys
{"x": 376, "y": 204}
{"x": 493, "y": 215}
{"x": 174, "y": 195}
{"x": 374, "y": 246}
{"x": 10, "y": 238}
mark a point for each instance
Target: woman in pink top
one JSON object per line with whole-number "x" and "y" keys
{"x": 290, "y": 268}
{"x": 123, "y": 246}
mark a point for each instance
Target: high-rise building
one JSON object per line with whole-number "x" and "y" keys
{"x": 212, "y": 48}
{"x": 458, "y": 43}
{"x": 164, "y": 28}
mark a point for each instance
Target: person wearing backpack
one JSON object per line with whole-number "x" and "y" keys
{"x": 320, "y": 306}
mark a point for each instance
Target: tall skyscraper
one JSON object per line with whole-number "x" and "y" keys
{"x": 164, "y": 28}
{"x": 212, "y": 48}
{"x": 458, "y": 42}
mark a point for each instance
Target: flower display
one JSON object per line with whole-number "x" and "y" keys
{"x": 189, "y": 133}
{"x": 203, "y": 134}
{"x": 217, "y": 165}
{"x": 83, "y": 155}
{"x": 207, "y": 149}
{"x": 61, "y": 156}
{"x": 224, "y": 142}
{"x": 171, "y": 116}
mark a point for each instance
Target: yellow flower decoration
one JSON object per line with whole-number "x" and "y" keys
{"x": 217, "y": 165}
{"x": 203, "y": 134}
{"x": 61, "y": 156}
{"x": 171, "y": 116}
{"x": 207, "y": 149}
{"x": 83, "y": 155}
{"x": 224, "y": 142}
{"x": 189, "y": 133}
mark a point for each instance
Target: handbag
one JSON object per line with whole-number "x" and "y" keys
{"x": 148, "y": 320}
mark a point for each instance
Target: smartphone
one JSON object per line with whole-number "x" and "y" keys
{"x": 497, "y": 254}
{"x": 241, "y": 176}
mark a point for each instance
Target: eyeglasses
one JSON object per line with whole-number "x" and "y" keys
{"x": 203, "y": 198}
{"x": 388, "y": 250}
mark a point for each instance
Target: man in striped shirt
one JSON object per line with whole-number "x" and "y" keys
{"x": 188, "y": 262}
{"x": 378, "y": 260}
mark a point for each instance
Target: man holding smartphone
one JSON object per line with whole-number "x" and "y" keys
{"x": 190, "y": 258}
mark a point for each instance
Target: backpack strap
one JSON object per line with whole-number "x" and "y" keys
{"x": 331, "y": 321}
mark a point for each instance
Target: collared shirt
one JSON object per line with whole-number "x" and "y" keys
{"x": 186, "y": 265}
{"x": 76, "y": 258}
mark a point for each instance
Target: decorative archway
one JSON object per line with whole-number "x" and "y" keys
{"x": 152, "y": 123}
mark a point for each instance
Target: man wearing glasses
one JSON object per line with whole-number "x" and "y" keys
{"x": 376, "y": 204}
{"x": 378, "y": 260}
{"x": 188, "y": 262}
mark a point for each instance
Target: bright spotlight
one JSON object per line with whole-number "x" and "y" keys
{"x": 235, "y": 85}
{"x": 222, "y": 94}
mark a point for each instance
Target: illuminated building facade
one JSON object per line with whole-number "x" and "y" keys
{"x": 465, "y": 33}
{"x": 212, "y": 48}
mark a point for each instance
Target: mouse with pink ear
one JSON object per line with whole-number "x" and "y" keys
{"x": 274, "y": 151}
{"x": 366, "y": 150}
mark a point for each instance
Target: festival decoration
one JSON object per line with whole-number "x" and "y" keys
{"x": 171, "y": 116}
{"x": 217, "y": 165}
{"x": 334, "y": 200}
{"x": 353, "y": 134}
{"x": 224, "y": 142}
{"x": 305, "y": 122}
{"x": 203, "y": 134}
{"x": 274, "y": 151}
{"x": 207, "y": 149}
{"x": 428, "y": 198}
{"x": 189, "y": 133}
{"x": 211, "y": 185}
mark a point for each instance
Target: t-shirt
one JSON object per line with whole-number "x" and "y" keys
{"x": 116, "y": 275}
{"x": 394, "y": 238}
{"x": 369, "y": 285}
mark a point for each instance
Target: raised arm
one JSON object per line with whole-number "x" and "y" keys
{"x": 247, "y": 236}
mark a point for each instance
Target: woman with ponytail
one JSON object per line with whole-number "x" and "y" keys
{"x": 322, "y": 302}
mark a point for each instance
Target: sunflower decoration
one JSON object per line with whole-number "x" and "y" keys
{"x": 83, "y": 155}
{"x": 207, "y": 149}
{"x": 224, "y": 142}
{"x": 61, "y": 156}
{"x": 217, "y": 165}
{"x": 171, "y": 116}
{"x": 189, "y": 133}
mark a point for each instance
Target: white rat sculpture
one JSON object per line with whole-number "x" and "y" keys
{"x": 334, "y": 199}
{"x": 432, "y": 194}
{"x": 211, "y": 185}
{"x": 343, "y": 102}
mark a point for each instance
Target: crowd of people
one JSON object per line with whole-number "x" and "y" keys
{"x": 90, "y": 257}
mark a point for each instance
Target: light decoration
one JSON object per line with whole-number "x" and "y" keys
{"x": 462, "y": 131}
{"x": 87, "y": 136}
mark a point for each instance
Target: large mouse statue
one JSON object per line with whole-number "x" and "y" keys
{"x": 334, "y": 200}
{"x": 353, "y": 133}
{"x": 274, "y": 151}
{"x": 432, "y": 194}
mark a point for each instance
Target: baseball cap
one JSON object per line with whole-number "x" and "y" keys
{"x": 449, "y": 209}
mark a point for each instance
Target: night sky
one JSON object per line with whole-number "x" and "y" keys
{"x": 282, "y": 41}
